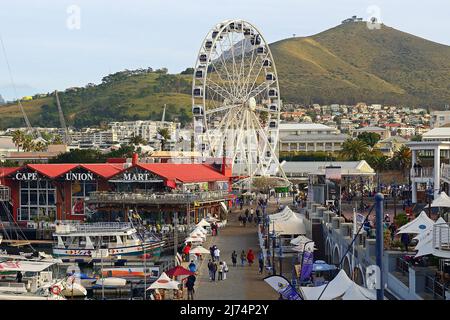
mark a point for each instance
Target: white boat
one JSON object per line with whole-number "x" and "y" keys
{"x": 119, "y": 238}
{"x": 111, "y": 282}
{"x": 38, "y": 282}
{"x": 74, "y": 290}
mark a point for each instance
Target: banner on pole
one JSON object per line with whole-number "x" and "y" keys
{"x": 307, "y": 267}
{"x": 283, "y": 287}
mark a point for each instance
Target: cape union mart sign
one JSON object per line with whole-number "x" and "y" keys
{"x": 70, "y": 176}
{"x": 138, "y": 177}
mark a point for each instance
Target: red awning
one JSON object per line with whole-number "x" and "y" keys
{"x": 104, "y": 170}
{"x": 52, "y": 170}
{"x": 184, "y": 172}
{"x": 6, "y": 171}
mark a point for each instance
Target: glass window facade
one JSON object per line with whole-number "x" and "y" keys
{"x": 81, "y": 190}
{"x": 37, "y": 200}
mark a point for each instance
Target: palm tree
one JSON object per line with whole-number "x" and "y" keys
{"x": 403, "y": 156}
{"x": 163, "y": 134}
{"x": 27, "y": 144}
{"x": 18, "y": 138}
{"x": 57, "y": 139}
{"x": 137, "y": 140}
{"x": 40, "y": 146}
{"x": 354, "y": 150}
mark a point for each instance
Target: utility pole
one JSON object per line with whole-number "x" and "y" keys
{"x": 175, "y": 236}
{"x": 379, "y": 198}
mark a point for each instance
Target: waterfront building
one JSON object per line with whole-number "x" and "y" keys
{"x": 109, "y": 190}
{"x": 310, "y": 137}
{"x": 430, "y": 170}
{"x": 147, "y": 129}
{"x": 383, "y": 132}
{"x": 390, "y": 145}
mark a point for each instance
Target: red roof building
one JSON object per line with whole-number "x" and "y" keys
{"x": 77, "y": 191}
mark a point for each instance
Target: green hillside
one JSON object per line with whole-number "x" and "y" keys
{"x": 346, "y": 64}
{"x": 125, "y": 95}
{"x": 351, "y": 63}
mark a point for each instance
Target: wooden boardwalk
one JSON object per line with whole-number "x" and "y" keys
{"x": 242, "y": 283}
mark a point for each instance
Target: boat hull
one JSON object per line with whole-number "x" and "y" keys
{"x": 153, "y": 249}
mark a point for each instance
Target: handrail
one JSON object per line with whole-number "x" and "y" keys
{"x": 441, "y": 236}
{"x": 102, "y": 196}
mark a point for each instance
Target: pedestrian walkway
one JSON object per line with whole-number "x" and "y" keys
{"x": 242, "y": 283}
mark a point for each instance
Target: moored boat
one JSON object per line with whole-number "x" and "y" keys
{"x": 120, "y": 239}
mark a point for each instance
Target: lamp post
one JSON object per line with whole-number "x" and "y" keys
{"x": 379, "y": 198}
{"x": 362, "y": 194}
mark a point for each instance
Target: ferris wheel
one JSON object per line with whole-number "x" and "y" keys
{"x": 236, "y": 99}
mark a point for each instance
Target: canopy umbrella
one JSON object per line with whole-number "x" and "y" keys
{"x": 193, "y": 239}
{"x": 320, "y": 265}
{"x": 164, "y": 282}
{"x": 340, "y": 288}
{"x": 199, "y": 250}
{"x": 200, "y": 229}
{"x": 425, "y": 245}
{"x": 178, "y": 271}
{"x": 203, "y": 223}
{"x": 442, "y": 200}
{"x": 197, "y": 234}
{"x": 418, "y": 225}
{"x": 300, "y": 240}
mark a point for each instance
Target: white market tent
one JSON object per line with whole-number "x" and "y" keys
{"x": 287, "y": 222}
{"x": 425, "y": 245}
{"x": 302, "y": 243}
{"x": 197, "y": 234}
{"x": 200, "y": 229}
{"x": 164, "y": 282}
{"x": 418, "y": 225}
{"x": 300, "y": 240}
{"x": 199, "y": 250}
{"x": 203, "y": 223}
{"x": 443, "y": 200}
{"x": 340, "y": 288}
{"x": 193, "y": 239}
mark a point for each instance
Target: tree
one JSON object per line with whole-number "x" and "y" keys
{"x": 18, "y": 138}
{"x": 403, "y": 157}
{"x": 188, "y": 71}
{"x": 163, "y": 134}
{"x": 370, "y": 138}
{"x": 137, "y": 140}
{"x": 79, "y": 156}
{"x": 354, "y": 150}
{"x": 39, "y": 146}
{"x": 416, "y": 137}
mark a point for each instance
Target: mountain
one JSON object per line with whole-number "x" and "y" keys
{"x": 352, "y": 63}
{"x": 122, "y": 96}
{"x": 347, "y": 64}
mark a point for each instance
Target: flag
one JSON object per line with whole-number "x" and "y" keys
{"x": 307, "y": 265}
{"x": 281, "y": 285}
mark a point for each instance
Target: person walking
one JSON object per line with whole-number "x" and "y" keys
{"x": 240, "y": 220}
{"x": 211, "y": 251}
{"x": 190, "y": 287}
{"x": 244, "y": 221}
{"x": 405, "y": 240}
{"x": 216, "y": 254}
{"x": 261, "y": 262}
{"x": 225, "y": 270}
{"x": 243, "y": 258}
{"x": 210, "y": 269}
{"x": 220, "y": 269}
{"x": 234, "y": 258}
{"x": 250, "y": 257}
{"x": 214, "y": 268}
{"x": 250, "y": 218}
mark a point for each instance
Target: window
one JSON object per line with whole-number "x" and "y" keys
{"x": 81, "y": 190}
{"x": 37, "y": 199}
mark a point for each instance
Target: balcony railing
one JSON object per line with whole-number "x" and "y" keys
{"x": 441, "y": 237}
{"x": 154, "y": 198}
{"x": 427, "y": 172}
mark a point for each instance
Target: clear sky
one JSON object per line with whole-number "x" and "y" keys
{"x": 45, "y": 54}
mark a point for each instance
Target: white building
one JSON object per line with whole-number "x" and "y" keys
{"x": 439, "y": 119}
{"x": 309, "y": 137}
{"x": 430, "y": 169}
{"x": 146, "y": 129}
